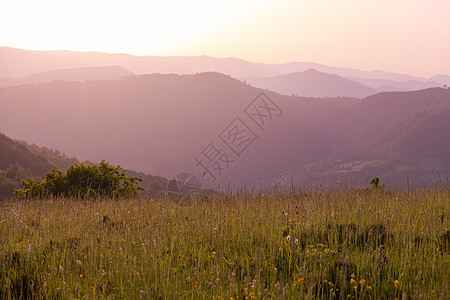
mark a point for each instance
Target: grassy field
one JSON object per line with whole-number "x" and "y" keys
{"x": 357, "y": 244}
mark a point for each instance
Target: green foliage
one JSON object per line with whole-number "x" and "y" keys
{"x": 374, "y": 182}
{"x": 82, "y": 181}
{"x": 16, "y": 152}
{"x": 20, "y": 160}
{"x": 55, "y": 157}
{"x": 11, "y": 179}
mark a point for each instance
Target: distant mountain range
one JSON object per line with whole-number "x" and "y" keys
{"x": 164, "y": 124}
{"x": 76, "y": 74}
{"x": 312, "y": 83}
{"x": 286, "y": 78}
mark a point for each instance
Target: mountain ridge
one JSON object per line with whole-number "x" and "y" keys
{"x": 158, "y": 123}
{"x": 32, "y": 61}
{"x": 73, "y": 74}
{"x": 312, "y": 83}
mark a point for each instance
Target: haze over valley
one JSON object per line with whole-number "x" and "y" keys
{"x": 328, "y": 128}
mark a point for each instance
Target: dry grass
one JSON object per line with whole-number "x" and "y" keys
{"x": 358, "y": 244}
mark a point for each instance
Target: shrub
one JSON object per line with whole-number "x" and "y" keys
{"x": 82, "y": 181}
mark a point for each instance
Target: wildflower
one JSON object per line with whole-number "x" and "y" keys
{"x": 301, "y": 280}
{"x": 352, "y": 281}
{"x": 396, "y": 283}
{"x": 288, "y": 238}
{"x": 81, "y": 275}
{"x": 296, "y": 241}
{"x": 361, "y": 282}
{"x": 174, "y": 270}
{"x": 368, "y": 288}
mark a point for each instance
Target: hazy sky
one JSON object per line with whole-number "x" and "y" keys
{"x": 407, "y": 36}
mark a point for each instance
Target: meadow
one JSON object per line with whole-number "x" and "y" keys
{"x": 311, "y": 244}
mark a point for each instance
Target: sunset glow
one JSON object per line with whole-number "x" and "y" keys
{"x": 399, "y": 36}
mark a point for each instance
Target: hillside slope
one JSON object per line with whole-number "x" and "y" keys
{"x": 415, "y": 149}
{"x": 160, "y": 124}
{"x": 12, "y": 152}
{"x": 76, "y": 74}
{"x": 312, "y": 83}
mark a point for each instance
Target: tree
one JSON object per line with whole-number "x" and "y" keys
{"x": 374, "y": 182}
{"x": 11, "y": 178}
{"x": 82, "y": 181}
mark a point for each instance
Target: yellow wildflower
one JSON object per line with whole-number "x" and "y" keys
{"x": 361, "y": 282}
{"x": 352, "y": 281}
{"x": 368, "y": 288}
{"x": 396, "y": 283}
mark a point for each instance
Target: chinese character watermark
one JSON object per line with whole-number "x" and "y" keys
{"x": 262, "y": 110}
{"x": 237, "y": 136}
{"x": 214, "y": 160}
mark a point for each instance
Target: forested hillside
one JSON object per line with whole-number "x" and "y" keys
{"x": 20, "y": 160}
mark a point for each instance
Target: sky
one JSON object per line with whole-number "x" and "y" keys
{"x": 404, "y": 36}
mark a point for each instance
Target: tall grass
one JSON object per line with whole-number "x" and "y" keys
{"x": 358, "y": 244}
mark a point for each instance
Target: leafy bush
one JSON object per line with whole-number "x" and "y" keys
{"x": 374, "y": 182}
{"x": 82, "y": 181}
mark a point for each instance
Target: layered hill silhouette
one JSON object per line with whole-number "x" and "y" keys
{"x": 416, "y": 148}
{"x": 160, "y": 124}
{"x": 76, "y": 74}
{"x": 312, "y": 83}
{"x": 18, "y": 63}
